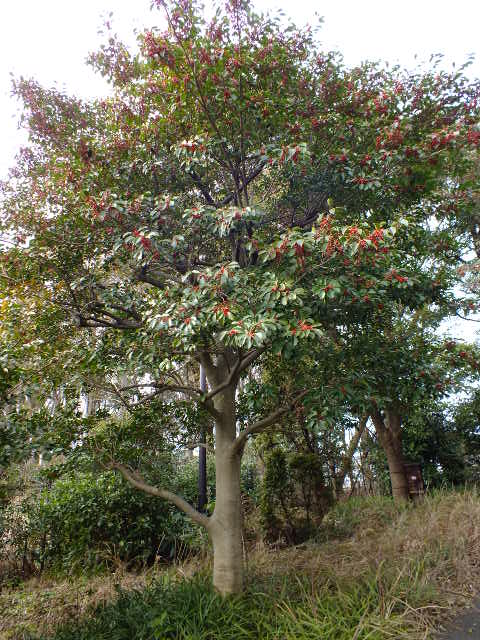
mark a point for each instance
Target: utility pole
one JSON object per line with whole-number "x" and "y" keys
{"x": 202, "y": 453}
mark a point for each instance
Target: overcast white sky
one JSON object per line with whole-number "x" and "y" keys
{"x": 49, "y": 40}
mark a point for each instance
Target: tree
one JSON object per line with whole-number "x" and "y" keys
{"x": 410, "y": 367}
{"x": 190, "y": 213}
{"x": 325, "y": 428}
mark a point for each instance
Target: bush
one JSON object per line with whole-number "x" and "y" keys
{"x": 294, "y": 497}
{"x": 69, "y": 517}
{"x": 86, "y": 520}
{"x": 85, "y": 514}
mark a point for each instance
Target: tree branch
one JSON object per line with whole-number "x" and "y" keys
{"x": 250, "y": 358}
{"x": 118, "y": 323}
{"x": 131, "y": 313}
{"x": 378, "y": 421}
{"x": 352, "y": 447}
{"x": 121, "y": 398}
{"x": 251, "y": 176}
{"x": 142, "y": 276}
{"x": 353, "y": 444}
{"x": 465, "y": 318}
{"x": 202, "y": 187}
{"x": 162, "y": 388}
{"x": 262, "y": 424}
{"x": 191, "y": 392}
{"x": 202, "y": 445}
{"x": 226, "y": 383}
{"x": 137, "y": 481}
{"x": 196, "y": 394}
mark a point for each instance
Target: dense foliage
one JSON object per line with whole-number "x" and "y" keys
{"x": 91, "y": 521}
{"x": 244, "y": 204}
{"x": 294, "y": 497}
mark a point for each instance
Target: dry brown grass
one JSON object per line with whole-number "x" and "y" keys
{"x": 425, "y": 562}
{"x": 43, "y": 603}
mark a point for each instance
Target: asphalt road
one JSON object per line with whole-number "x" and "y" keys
{"x": 465, "y": 627}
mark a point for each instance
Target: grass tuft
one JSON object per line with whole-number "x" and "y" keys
{"x": 390, "y": 572}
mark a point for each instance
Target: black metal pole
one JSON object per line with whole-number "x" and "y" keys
{"x": 202, "y": 454}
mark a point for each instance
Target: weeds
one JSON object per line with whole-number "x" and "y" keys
{"x": 191, "y": 610}
{"x": 393, "y": 573}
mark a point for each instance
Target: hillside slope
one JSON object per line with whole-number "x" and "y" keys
{"x": 374, "y": 571}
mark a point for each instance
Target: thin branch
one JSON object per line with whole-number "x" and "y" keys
{"x": 465, "y": 318}
{"x": 162, "y": 388}
{"x": 262, "y": 424}
{"x": 250, "y": 358}
{"x": 195, "y": 394}
{"x": 202, "y": 445}
{"x": 146, "y": 399}
{"x": 251, "y": 176}
{"x": 138, "y": 386}
{"x": 137, "y": 481}
{"x": 129, "y": 310}
{"x": 121, "y": 398}
{"x": 99, "y": 309}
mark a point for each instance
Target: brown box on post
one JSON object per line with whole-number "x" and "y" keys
{"x": 416, "y": 486}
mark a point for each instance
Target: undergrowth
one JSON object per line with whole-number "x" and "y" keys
{"x": 369, "y": 513}
{"x": 384, "y": 572}
{"x": 191, "y": 610}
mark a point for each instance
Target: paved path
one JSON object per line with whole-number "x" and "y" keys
{"x": 466, "y": 626}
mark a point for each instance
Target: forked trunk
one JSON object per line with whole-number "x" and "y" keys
{"x": 347, "y": 459}
{"x": 226, "y": 522}
{"x": 389, "y": 433}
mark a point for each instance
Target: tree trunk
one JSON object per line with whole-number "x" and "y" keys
{"x": 202, "y": 454}
{"x": 225, "y": 526}
{"x": 347, "y": 458}
{"x": 365, "y": 467}
{"x": 398, "y": 476}
{"x": 226, "y": 523}
{"x": 226, "y": 531}
{"x": 389, "y": 431}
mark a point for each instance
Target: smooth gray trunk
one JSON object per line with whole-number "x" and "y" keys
{"x": 202, "y": 454}
{"x": 226, "y": 523}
